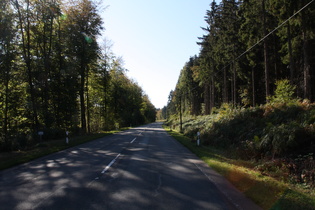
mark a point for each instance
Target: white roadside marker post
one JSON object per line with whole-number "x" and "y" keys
{"x": 40, "y": 133}
{"x": 67, "y": 137}
{"x": 198, "y": 138}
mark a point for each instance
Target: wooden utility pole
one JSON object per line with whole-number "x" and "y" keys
{"x": 180, "y": 115}
{"x": 266, "y": 58}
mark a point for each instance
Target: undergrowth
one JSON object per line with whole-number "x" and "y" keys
{"x": 266, "y": 191}
{"x": 10, "y": 159}
{"x": 278, "y": 137}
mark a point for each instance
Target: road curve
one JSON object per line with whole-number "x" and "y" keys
{"x": 141, "y": 168}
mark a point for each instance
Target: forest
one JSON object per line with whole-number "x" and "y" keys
{"x": 251, "y": 89}
{"x": 240, "y": 60}
{"x": 57, "y": 75}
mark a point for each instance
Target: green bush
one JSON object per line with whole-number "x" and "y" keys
{"x": 270, "y": 130}
{"x": 272, "y": 135}
{"x": 284, "y": 93}
{"x": 279, "y": 139}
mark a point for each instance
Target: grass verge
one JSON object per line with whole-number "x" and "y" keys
{"x": 265, "y": 191}
{"x": 10, "y": 159}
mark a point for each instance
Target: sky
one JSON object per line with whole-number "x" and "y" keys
{"x": 155, "y": 38}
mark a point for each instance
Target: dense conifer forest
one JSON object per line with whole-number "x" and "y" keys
{"x": 248, "y": 46}
{"x": 251, "y": 89}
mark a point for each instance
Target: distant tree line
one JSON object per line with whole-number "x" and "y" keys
{"x": 249, "y": 45}
{"x": 55, "y": 75}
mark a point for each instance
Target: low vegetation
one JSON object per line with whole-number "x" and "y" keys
{"x": 13, "y": 158}
{"x": 269, "y": 192}
{"x": 279, "y": 136}
{"x": 266, "y": 151}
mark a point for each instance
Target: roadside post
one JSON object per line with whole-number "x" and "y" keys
{"x": 198, "y": 138}
{"x": 40, "y": 133}
{"x": 67, "y": 137}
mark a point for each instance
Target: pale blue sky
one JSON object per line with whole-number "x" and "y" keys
{"x": 155, "y": 39}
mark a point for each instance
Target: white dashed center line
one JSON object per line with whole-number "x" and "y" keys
{"x": 110, "y": 164}
{"x": 133, "y": 140}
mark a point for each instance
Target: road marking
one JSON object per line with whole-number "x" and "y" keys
{"x": 110, "y": 164}
{"x": 133, "y": 140}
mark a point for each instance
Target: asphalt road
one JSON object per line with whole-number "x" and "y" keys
{"x": 141, "y": 168}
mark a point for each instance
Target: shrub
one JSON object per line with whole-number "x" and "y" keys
{"x": 279, "y": 139}
{"x": 278, "y": 130}
{"x": 284, "y": 93}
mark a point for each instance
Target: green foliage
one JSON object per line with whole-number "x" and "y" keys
{"x": 284, "y": 93}
{"x": 267, "y": 192}
{"x": 293, "y": 199}
{"x": 56, "y": 77}
{"x": 279, "y": 138}
{"x": 238, "y": 62}
{"x": 261, "y": 133}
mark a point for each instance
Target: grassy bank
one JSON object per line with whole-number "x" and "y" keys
{"x": 266, "y": 191}
{"x": 10, "y": 159}
{"x": 279, "y": 138}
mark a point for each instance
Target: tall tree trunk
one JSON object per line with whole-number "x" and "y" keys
{"x": 212, "y": 94}
{"x": 6, "y": 106}
{"x": 307, "y": 67}
{"x": 234, "y": 77}
{"x": 234, "y": 84}
{"x": 180, "y": 115}
{"x": 225, "y": 94}
{"x": 26, "y": 46}
{"x": 82, "y": 99}
{"x": 253, "y": 87}
{"x": 88, "y": 107}
{"x": 292, "y": 70}
{"x": 266, "y": 55}
{"x": 207, "y": 99}
{"x": 58, "y": 104}
{"x": 47, "y": 50}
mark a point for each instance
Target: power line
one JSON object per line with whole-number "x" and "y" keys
{"x": 257, "y": 43}
{"x": 274, "y": 30}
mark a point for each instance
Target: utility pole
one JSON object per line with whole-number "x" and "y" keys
{"x": 180, "y": 114}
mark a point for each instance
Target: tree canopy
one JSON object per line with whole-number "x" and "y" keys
{"x": 57, "y": 76}
{"x": 248, "y": 46}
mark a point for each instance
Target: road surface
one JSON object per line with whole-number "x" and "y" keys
{"x": 141, "y": 168}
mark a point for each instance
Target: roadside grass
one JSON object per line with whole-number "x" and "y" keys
{"x": 10, "y": 159}
{"x": 265, "y": 191}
